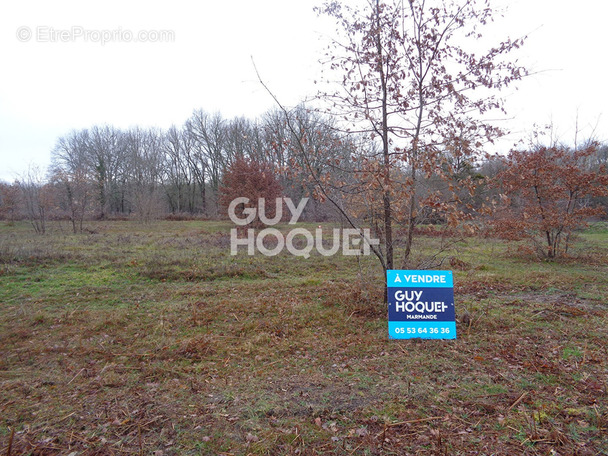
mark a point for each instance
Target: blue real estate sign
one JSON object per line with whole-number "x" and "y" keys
{"x": 421, "y": 304}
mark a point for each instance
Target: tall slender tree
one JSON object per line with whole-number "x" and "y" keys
{"x": 413, "y": 77}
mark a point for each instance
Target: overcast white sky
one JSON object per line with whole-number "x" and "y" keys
{"x": 48, "y": 86}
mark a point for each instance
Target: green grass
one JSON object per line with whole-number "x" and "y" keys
{"x": 142, "y": 338}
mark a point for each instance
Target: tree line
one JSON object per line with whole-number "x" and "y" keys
{"x": 542, "y": 193}
{"x": 146, "y": 173}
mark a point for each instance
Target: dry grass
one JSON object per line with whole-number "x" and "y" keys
{"x": 138, "y": 339}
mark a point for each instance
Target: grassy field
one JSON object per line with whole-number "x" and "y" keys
{"x": 153, "y": 340}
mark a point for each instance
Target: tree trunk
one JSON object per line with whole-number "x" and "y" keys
{"x": 386, "y": 196}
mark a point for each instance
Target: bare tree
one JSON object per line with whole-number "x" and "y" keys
{"x": 71, "y": 172}
{"x": 208, "y": 158}
{"x": 37, "y": 198}
{"x": 145, "y": 160}
{"x": 106, "y": 154}
{"x": 178, "y": 180}
{"x": 329, "y": 153}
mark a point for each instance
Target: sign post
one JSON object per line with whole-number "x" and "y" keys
{"x": 421, "y": 304}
